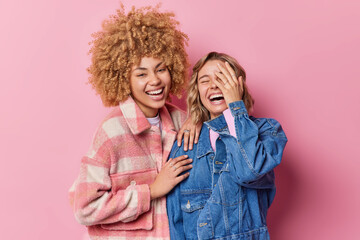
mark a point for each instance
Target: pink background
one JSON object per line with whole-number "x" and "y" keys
{"x": 302, "y": 61}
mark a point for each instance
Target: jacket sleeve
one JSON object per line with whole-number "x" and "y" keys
{"x": 92, "y": 196}
{"x": 173, "y": 207}
{"x": 258, "y": 148}
{"x": 175, "y": 214}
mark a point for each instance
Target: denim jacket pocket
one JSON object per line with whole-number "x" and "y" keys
{"x": 192, "y": 203}
{"x": 121, "y": 181}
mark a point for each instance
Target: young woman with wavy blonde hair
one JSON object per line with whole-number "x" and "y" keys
{"x": 231, "y": 184}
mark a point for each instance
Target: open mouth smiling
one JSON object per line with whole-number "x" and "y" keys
{"x": 216, "y": 97}
{"x": 155, "y": 92}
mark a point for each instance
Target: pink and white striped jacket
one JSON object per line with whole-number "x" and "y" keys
{"x": 111, "y": 194}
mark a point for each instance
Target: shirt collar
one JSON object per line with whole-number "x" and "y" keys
{"x": 136, "y": 119}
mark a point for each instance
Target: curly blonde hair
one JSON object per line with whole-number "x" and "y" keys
{"x": 124, "y": 40}
{"x": 196, "y": 109}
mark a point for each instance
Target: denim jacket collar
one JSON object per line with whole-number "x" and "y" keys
{"x": 218, "y": 125}
{"x": 205, "y": 147}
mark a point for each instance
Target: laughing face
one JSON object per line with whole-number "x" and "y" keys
{"x": 210, "y": 95}
{"x": 150, "y": 84}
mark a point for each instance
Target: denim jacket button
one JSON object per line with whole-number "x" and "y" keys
{"x": 188, "y": 204}
{"x": 202, "y": 224}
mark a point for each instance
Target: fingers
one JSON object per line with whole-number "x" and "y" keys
{"x": 181, "y": 169}
{"x": 179, "y": 164}
{"x": 219, "y": 83}
{"x": 197, "y": 132}
{"x": 191, "y": 137}
{"x": 186, "y": 134}
{"x": 181, "y": 177}
{"x": 221, "y": 78}
{"x": 173, "y": 161}
{"x": 241, "y": 83}
{"x": 189, "y": 132}
{"x": 231, "y": 72}
{"x": 226, "y": 76}
{"x": 186, "y": 139}
{"x": 236, "y": 81}
{"x": 180, "y": 135}
{"x": 182, "y": 165}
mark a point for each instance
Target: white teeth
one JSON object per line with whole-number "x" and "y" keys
{"x": 155, "y": 92}
{"x": 215, "y": 96}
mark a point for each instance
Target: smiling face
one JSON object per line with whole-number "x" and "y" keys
{"x": 210, "y": 95}
{"x": 150, "y": 83}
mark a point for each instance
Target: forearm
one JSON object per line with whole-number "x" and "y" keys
{"x": 97, "y": 202}
{"x": 259, "y": 145}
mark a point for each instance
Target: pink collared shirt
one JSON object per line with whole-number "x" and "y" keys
{"x": 231, "y": 125}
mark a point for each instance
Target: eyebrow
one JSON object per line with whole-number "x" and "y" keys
{"x": 142, "y": 68}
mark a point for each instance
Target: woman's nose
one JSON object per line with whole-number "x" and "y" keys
{"x": 212, "y": 83}
{"x": 154, "y": 79}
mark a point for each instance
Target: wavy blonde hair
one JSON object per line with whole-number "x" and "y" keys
{"x": 124, "y": 40}
{"x": 196, "y": 109}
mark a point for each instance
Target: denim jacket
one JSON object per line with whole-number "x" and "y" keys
{"x": 228, "y": 192}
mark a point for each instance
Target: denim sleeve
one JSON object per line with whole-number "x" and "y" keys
{"x": 258, "y": 148}
{"x": 175, "y": 214}
{"x": 173, "y": 206}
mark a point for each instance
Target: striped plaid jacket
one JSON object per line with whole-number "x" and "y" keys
{"x": 111, "y": 194}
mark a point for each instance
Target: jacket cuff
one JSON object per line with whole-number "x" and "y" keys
{"x": 238, "y": 108}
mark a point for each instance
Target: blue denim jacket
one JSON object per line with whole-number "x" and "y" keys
{"x": 228, "y": 192}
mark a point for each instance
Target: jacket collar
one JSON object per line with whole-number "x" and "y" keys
{"x": 218, "y": 125}
{"x": 137, "y": 121}
{"x": 204, "y": 145}
{"x": 166, "y": 120}
{"x": 134, "y": 117}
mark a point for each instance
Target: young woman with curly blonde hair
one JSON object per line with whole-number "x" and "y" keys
{"x": 138, "y": 59}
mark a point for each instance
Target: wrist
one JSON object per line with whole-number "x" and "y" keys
{"x": 152, "y": 197}
{"x": 232, "y": 100}
{"x": 153, "y": 192}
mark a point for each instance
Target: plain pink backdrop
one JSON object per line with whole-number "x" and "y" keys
{"x": 302, "y": 62}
